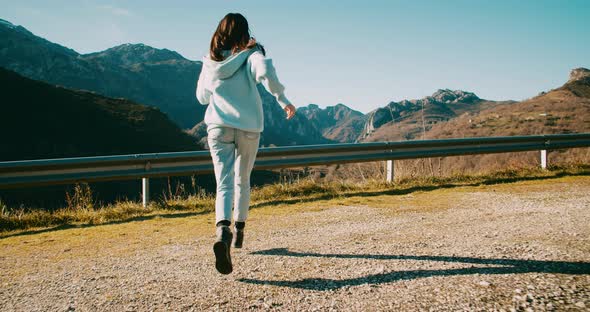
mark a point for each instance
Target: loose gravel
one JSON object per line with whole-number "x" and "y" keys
{"x": 513, "y": 247}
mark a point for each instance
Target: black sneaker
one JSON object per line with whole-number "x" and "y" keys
{"x": 238, "y": 238}
{"x": 221, "y": 248}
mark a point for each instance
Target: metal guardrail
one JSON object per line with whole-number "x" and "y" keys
{"x": 105, "y": 168}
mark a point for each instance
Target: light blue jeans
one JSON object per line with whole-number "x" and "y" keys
{"x": 233, "y": 152}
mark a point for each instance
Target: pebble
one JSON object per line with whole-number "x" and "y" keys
{"x": 484, "y": 283}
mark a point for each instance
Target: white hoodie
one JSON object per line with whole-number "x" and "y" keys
{"x": 229, "y": 87}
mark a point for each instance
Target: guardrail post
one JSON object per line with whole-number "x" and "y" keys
{"x": 145, "y": 191}
{"x": 544, "y": 159}
{"x": 389, "y": 172}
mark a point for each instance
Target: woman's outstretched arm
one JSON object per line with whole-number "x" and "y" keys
{"x": 263, "y": 71}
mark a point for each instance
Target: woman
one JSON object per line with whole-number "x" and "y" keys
{"x": 234, "y": 119}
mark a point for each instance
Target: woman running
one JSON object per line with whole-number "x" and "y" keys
{"x": 235, "y": 65}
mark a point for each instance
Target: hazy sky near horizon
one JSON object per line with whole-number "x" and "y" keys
{"x": 360, "y": 53}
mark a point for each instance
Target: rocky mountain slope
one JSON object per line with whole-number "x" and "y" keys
{"x": 410, "y": 119}
{"x": 397, "y": 121}
{"x": 455, "y": 113}
{"x": 562, "y": 110}
{"x": 339, "y": 123}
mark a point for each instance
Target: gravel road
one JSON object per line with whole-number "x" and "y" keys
{"x": 521, "y": 246}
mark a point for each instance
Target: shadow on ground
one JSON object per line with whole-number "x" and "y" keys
{"x": 501, "y": 266}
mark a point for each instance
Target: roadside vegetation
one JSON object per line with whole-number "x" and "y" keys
{"x": 82, "y": 210}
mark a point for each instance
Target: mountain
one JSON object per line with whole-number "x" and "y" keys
{"x": 39, "y": 120}
{"x": 339, "y": 123}
{"x": 578, "y": 83}
{"x": 132, "y": 55}
{"x": 455, "y": 113}
{"x": 159, "y": 78}
{"x": 155, "y": 77}
{"x": 278, "y": 131}
{"x": 562, "y": 110}
{"x": 565, "y": 109}
{"x": 410, "y": 119}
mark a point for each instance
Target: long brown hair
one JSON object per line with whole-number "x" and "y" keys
{"x": 232, "y": 33}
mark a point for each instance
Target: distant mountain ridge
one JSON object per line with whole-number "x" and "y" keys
{"x": 403, "y": 120}
{"x": 564, "y": 109}
{"x": 450, "y": 109}
{"x": 339, "y": 122}
{"x": 410, "y": 119}
{"x": 128, "y": 55}
{"x": 154, "y": 77}
{"x": 157, "y": 77}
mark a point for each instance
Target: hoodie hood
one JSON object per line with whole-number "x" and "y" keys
{"x": 227, "y": 67}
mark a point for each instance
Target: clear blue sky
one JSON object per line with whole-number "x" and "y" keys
{"x": 360, "y": 53}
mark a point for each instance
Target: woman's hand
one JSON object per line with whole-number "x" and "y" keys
{"x": 290, "y": 110}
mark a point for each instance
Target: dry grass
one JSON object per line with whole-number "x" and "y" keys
{"x": 300, "y": 191}
{"x": 563, "y": 110}
{"x": 441, "y": 167}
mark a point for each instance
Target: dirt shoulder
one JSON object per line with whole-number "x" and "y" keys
{"x": 518, "y": 245}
